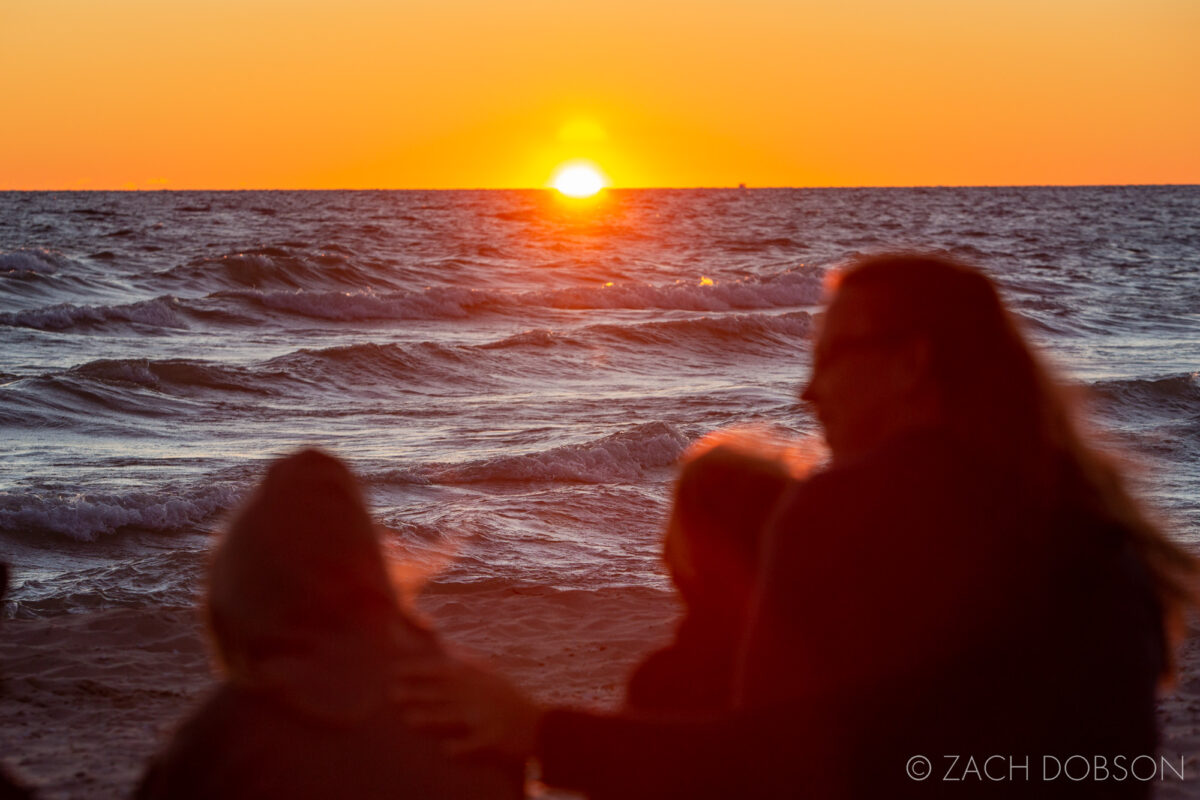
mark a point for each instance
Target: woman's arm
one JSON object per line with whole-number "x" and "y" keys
{"x": 777, "y": 752}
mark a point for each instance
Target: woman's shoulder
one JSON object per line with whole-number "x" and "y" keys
{"x": 914, "y": 457}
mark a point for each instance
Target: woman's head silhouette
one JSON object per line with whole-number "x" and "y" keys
{"x": 924, "y": 341}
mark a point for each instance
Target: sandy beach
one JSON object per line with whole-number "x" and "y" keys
{"x": 89, "y": 697}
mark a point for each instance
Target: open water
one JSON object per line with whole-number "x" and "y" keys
{"x": 512, "y": 375}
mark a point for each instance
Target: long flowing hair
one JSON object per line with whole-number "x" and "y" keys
{"x": 997, "y": 396}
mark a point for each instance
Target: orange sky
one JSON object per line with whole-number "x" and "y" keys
{"x": 478, "y": 93}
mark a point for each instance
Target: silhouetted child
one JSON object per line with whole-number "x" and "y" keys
{"x": 729, "y": 484}
{"x": 308, "y": 627}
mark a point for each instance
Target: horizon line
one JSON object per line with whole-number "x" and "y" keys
{"x": 737, "y": 187}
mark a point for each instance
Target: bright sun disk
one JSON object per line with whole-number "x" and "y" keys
{"x": 578, "y": 180}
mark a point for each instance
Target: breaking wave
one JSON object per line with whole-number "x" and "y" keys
{"x": 86, "y": 516}
{"x": 619, "y": 457}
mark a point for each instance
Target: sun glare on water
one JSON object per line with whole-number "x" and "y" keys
{"x": 578, "y": 180}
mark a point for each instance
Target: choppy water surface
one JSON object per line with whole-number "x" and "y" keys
{"x": 512, "y": 376}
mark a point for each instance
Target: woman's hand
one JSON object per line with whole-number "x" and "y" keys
{"x": 470, "y": 708}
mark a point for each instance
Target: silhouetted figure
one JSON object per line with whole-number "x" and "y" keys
{"x": 728, "y": 486}
{"x": 308, "y": 628}
{"x": 970, "y": 577}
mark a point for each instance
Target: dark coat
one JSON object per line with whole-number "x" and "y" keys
{"x": 694, "y": 673}
{"x": 912, "y": 604}
{"x": 247, "y": 744}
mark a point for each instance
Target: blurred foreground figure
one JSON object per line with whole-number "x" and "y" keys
{"x": 308, "y": 628}
{"x": 969, "y": 578}
{"x": 728, "y": 484}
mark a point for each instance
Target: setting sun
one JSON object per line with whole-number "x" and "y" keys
{"x": 578, "y": 179}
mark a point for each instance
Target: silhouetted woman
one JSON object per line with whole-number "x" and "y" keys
{"x": 990, "y": 585}
{"x": 969, "y": 578}
{"x": 308, "y": 628}
{"x": 728, "y": 485}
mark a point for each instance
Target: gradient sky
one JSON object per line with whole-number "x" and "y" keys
{"x": 478, "y": 93}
